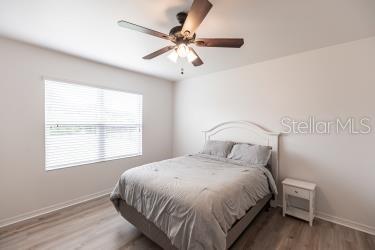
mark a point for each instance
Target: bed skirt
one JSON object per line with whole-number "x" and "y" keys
{"x": 155, "y": 234}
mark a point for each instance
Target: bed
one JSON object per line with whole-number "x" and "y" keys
{"x": 200, "y": 201}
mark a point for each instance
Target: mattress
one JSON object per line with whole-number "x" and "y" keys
{"x": 193, "y": 199}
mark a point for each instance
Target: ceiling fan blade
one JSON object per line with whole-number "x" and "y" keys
{"x": 136, "y": 27}
{"x": 219, "y": 42}
{"x": 196, "y": 14}
{"x": 158, "y": 52}
{"x": 198, "y": 61}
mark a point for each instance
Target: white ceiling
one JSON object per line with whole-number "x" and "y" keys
{"x": 271, "y": 29}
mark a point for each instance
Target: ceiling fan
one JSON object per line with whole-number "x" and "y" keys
{"x": 184, "y": 35}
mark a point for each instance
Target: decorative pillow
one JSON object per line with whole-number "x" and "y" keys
{"x": 217, "y": 148}
{"x": 251, "y": 154}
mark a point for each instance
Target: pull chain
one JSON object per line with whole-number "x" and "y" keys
{"x": 181, "y": 65}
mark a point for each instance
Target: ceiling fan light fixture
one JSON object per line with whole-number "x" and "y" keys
{"x": 173, "y": 56}
{"x": 184, "y": 35}
{"x": 182, "y": 50}
{"x": 191, "y": 56}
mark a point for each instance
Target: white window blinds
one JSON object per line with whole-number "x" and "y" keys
{"x": 86, "y": 124}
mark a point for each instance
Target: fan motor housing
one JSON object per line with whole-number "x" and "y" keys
{"x": 176, "y": 31}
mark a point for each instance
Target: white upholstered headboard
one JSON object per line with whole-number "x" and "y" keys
{"x": 247, "y": 132}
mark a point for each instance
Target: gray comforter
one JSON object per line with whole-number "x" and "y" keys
{"x": 194, "y": 199}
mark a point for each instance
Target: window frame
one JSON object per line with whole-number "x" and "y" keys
{"x": 91, "y": 162}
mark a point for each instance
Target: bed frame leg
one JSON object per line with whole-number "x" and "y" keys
{"x": 268, "y": 206}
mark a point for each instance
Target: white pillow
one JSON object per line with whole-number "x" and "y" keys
{"x": 217, "y": 148}
{"x": 251, "y": 154}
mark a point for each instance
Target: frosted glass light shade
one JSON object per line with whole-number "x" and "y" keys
{"x": 191, "y": 56}
{"x": 173, "y": 56}
{"x": 182, "y": 50}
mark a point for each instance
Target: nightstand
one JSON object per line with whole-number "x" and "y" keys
{"x": 303, "y": 190}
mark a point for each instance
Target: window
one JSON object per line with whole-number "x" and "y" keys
{"x": 86, "y": 124}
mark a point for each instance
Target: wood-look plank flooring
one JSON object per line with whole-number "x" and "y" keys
{"x": 96, "y": 225}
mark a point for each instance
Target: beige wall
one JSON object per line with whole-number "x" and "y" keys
{"x": 337, "y": 81}
{"x": 327, "y": 83}
{"x": 24, "y": 184}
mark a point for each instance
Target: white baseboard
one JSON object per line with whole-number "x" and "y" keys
{"x": 49, "y": 209}
{"x": 346, "y": 222}
{"x": 46, "y": 210}
{"x": 343, "y": 222}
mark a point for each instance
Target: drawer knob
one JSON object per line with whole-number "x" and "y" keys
{"x": 295, "y": 191}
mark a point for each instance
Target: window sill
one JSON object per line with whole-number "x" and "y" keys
{"x": 91, "y": 162}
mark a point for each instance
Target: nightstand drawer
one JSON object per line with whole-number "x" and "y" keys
{"x": 298, "y": 192}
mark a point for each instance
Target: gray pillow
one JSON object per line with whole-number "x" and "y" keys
{"x": 217, "y": 148}
{"x": 251, "y": 154}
